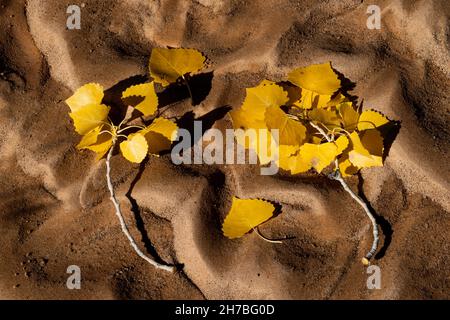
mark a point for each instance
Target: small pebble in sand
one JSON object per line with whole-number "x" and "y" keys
{"x": 16, "y": 286}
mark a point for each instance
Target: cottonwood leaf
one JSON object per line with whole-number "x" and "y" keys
{"x": 246, "y": 214}
{"x": 317, "y": 156}
{"x": 320, "y": 156}
{"x": 252, "y": 116}
{"x": 319, "y": 78}
{"x": 258, "y": 99}
{"x": 89, "y": 138}
{"x": 291, "y": 132}
{"x": 260, "y": 141}
{"x": 149, "y": 105}
{"x": 346, "y": 168}
{"x": 135, "y": 148}
{"x": 168, "y": 65}
{"x": 290, "y": 160}
{"x": 371, "y": 119}
{"x": 87, "y": 117}
{"x": 367, "y": 149}
{"x": 159, "y": 135}
{"x": 327, "y": 117}
{"x": 310, "y": 99}
{"x": 348, "y": 115}
{"x": 89, "y": 94}
{"x": 337, "y": 100}
{"x": 96, "y": 141}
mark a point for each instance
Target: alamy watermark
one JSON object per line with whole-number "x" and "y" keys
{"x": 374, "y": 280}
{"x": 74, "y": 280}
{"x": 74, "y": 19}
{"x": 374, "y": 20}
{"x": 209, "y": 147}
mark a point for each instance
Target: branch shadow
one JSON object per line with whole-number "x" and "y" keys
{"x": 384, "y": 224}
{"x": 137, "y": 215}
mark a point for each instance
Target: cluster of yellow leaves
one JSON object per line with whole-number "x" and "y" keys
{"x": 90, "y": 116}
{"x": 313, "y": 96}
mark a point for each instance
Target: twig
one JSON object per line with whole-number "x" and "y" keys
{"x": 189, "y": 89}
{"x": 338, "y": 176}
{"x": 122, "y": 221}
{"x": 264, "y": 238}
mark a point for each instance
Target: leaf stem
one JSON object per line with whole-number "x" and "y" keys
{"x": 338, "y": 176}
{"x": 121, "y": 219}
{"x": 128, "y": 127}
{"x": 256, "y": 229}
{"x": 189, "y": 89}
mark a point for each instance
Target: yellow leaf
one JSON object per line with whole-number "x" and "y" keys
{"x": 300, "y": 159}
{"x": 94, "y": 141}
{"x": 337, "y": 99}
{"x": 346, "y": 167}
{"x": 89, "y": 94}
{"x": 367, "y": 149}
{"x": 291, "y": 132}
{"x": 167, "y": 65}
{"x": 251, "y": 116}
{"x": 135, "y": 148}
{"x": 341, "y": 144}
{"x": 101, "y": 146}
{"x": 89, "y": 138}
{"x": 246, "y": 214}
{"x": 261, "y": 141}
{"x": 244, "y": 119}
{"x": 371, "y": 119}
{"x": 160, "y": 135}
{"x": 327, "y": 117}
{"x": 319, "y": 78}
{"x": 317, "y": 156}
{"x": 147, "y": 90}
{"x": 88, "y": 117}
{"x": 290, "y": 160}
{"x": 261, "y": 97}
{"x": 310, "y": 99}
{"x": 348, "y": 115}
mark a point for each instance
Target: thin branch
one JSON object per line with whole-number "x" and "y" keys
{"x": 121, "y": 219}
{"x": 130, "y": 127}
{"x": 338, "y": 176}
{"x": 364, "y": 205}
{"x": 189, "y": 89}
{"x": 264, "y": 238}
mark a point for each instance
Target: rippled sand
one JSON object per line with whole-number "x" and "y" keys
{"x": 55, "y": 210}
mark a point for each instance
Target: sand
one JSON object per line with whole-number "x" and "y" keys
{"x": 55, "y": 209}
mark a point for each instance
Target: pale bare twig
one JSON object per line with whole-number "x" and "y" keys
{"x": 121, "y": 219}
{"x": 338, "y": 177}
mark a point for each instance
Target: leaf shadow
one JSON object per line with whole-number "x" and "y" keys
{"x": 384, "y": 224}
{"x": 389, "y": 132}
{"x": 200, "y": 85}
{"x": 346, "y": 86}
{"x": 113, "y": 97}
{"x": 187, "y": 121}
